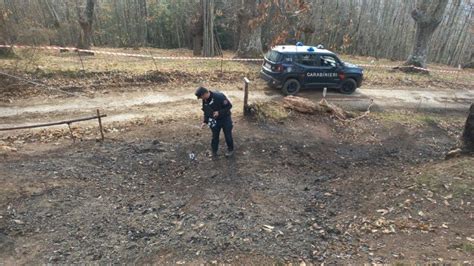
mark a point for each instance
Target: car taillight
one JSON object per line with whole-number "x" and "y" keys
{"x": 277, "y": 68}
{"x": 341, "y": 76}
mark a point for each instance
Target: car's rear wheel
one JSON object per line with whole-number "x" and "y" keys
{"x": 348, "y": 86}
{"x": 291, "y": 87}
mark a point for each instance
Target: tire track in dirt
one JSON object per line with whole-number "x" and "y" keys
{"x": 175, "y": 104}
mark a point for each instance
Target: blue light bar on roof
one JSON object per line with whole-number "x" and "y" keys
{"x": 310, "y": 49}
{"x": 299, "y": 44}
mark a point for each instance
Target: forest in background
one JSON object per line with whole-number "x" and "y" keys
{"x": 378, "y": 28}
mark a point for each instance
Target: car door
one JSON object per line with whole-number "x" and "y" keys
{"x": 307, "y": 62}
{"x": 328, "y": 69}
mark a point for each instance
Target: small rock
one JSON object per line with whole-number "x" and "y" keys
{"x": 316, "y": 226}
{"x": 19, "y": 222}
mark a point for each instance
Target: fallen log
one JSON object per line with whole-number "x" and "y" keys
{"x": 412, "y": 69}
{"x": 306, "y": 106}
{"x": 301, "y": 105}
{"x": 335, "y": 110}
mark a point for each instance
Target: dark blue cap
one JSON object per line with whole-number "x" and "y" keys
{"x": 200, "y": 92}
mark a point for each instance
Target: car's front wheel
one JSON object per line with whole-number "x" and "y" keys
{"x": 348, "y": 86}
{"x": 291, "y": 87}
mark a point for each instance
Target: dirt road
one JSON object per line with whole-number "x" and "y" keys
{"x": 163, "y": 104}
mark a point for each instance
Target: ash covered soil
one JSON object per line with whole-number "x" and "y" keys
{"x": 309, "y": 189}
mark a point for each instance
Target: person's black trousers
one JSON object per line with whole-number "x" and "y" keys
{"x": 226, "y": 125}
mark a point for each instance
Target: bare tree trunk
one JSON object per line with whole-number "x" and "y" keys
{"x": 85, "y": 21}
{"x": 144, "y": 8}
{"x": 208, "y": 26}
{"x": 197, "y": 30}
{"x": 197, "y": 44}
{"x": 250, "y": 43}
{"x": 470, "y": 62}
{"x": 467, "y": 58}
{"x": 4, "y": 36}
{"x": 468, "y": 134}
{"x": 52, "y": 13}
{"x": 5, "y": 51}
{"x": 428, "y": 14}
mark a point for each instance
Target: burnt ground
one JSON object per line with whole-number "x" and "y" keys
{"x": 306, "y": 189}
{"x": 309, "y": 189}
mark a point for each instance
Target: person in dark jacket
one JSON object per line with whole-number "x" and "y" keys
{"x": 217, "y": 116}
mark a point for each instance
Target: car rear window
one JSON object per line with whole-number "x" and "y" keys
{"x": 274, "y": 56}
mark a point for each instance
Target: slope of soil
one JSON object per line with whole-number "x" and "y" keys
{"x": 308, "y": 189}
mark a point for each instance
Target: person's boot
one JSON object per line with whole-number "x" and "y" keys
{"x": 229, "y": 153}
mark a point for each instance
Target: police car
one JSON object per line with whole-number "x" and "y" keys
{"x": 292, "y": 67}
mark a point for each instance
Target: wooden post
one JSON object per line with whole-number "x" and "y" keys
{"x": 153, "y": 58}
{"x": 70, "y": 131}
{"x": 222, "y": 60}
{"x": 246, "y": 96}
{"x": 100, "y": 125}
{"x": 80, "y": 58}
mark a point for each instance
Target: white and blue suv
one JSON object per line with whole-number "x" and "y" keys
{"x": 292, "y": 67}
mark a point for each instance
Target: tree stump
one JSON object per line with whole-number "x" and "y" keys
{"x": 468, "y": 134}
{"x": 467, "y": 146}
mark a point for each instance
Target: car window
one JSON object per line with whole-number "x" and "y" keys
{"x": 288, "y": 58}
{"x": 307, "y": 59}
{"x": 274, "y": 56}
{"x": 327, "y": 61}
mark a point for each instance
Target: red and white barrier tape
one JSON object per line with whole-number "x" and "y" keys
{"x": 419, "y": 68}
{"x": 132, "y": 55}
{"x": 192, "y": 58}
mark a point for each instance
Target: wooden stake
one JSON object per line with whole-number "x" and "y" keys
{"x": 100, "y": 125}
{"x": 153, "y": 58}
{"x": 246, "y": 96}
{"x": 80, "y": 58}
{"x": 222, "y": 60}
